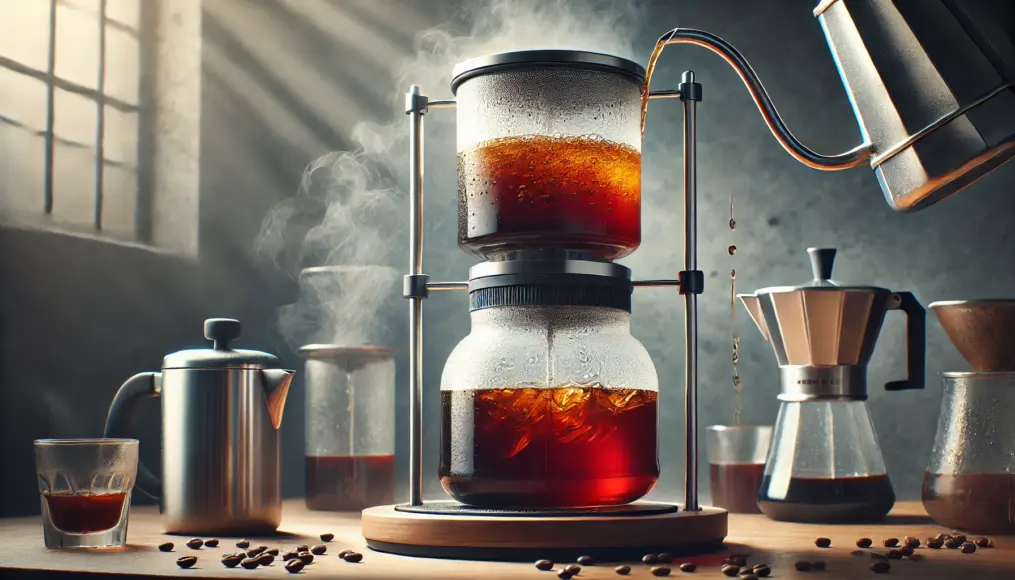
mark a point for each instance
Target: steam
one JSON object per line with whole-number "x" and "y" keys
{"x": 348, "y": 218}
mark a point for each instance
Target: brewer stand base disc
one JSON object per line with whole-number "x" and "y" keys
{"x": 440, "y": 533}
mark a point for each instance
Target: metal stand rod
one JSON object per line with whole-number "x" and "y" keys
{"x": 690, "y": 296}
{"x": 415, "y": 108}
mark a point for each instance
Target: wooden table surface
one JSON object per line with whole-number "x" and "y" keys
{"x": 780, "y": 545}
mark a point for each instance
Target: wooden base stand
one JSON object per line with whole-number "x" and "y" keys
{"x": 489, "y": 536}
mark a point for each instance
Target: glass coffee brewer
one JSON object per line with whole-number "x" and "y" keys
{"x": 825, "y": 464}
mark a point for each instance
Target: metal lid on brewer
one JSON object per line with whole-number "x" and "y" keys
{"x": 526, "y": 59}
{"x": 822, "y": 261}
{"x": 220, "y": 356}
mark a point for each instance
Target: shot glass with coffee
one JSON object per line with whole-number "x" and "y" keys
{"x": 85, "y": 487}
{"x": 736, "y": 457}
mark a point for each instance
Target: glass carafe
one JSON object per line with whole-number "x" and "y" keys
{"x": 825, "y": 466}
{"x": 549, "y": 406}
{"x": 970, "y": 479}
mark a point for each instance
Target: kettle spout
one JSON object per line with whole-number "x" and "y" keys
{"x": 753, "y": 306}
{"x": 276, "y": 389}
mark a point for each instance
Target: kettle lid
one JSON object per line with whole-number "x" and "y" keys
{"x": 220, "y": 331}
{"x": 822, "y": 260}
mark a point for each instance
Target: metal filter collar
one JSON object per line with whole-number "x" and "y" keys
{"x": 550, "y": 283}
{"x": 524, "y": 59}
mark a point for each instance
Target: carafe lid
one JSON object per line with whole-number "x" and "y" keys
{"x": 822, "y": 261}
{"x": 220, "y": 331}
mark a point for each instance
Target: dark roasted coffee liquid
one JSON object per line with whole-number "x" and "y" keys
{"x": 859, "y": 499}
{"x": 349, "y": 483}
{"x": 571, "y": 446}
{"x": 735, "y": 486}
{"x": 975, "y": 502}
{"x": 85, "y": 513}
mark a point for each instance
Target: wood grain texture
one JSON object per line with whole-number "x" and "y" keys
{"x": 22, "y": 554}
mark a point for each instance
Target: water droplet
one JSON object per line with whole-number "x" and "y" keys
{"x": 732, "y": 249}
{"x": 733, "y": 273}
{"x": 733, "y": 224}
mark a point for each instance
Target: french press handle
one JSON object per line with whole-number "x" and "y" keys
{"x": 121, "y": 413}
{"x": 916, "y": 342}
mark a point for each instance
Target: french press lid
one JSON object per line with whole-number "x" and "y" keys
{"x": 220, "y": 331}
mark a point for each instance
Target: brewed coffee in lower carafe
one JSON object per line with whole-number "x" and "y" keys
{"x": 576, "y": 445}
{"x": 825, "y": 466}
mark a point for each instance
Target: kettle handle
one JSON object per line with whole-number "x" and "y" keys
{"x": 121, "y": 413}
{"x": 916, "y": 343}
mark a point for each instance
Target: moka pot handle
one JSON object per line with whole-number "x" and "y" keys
{"x": 916, "y": 342}
{"x": 121, "y": 414}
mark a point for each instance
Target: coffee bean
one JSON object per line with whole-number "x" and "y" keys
{"x": 564, "y": 574}
{"x": 272, "y": 551}
{"x": 906, "y": 551}
{"x": 294, "y": 566}
{"x": 881, "y": 567}
{"x": 265, "y": 559}
{"x": 622, "y": 570}
{"x": 212, "y": 543}
{"x": 648, "y": 558}
{"x": 942, "y": 537}
{"x": 891, "y": 542}
{"x": 823, "y": 542}
{"x": 343, "y": 554}
{"x": 291, "y": 555}
{"x": 857, "y": 553}
{"x": 254, "y": 552}
{"x": 574, "y": 569}
{"x": 586, "y": 560}
{"x": 186, "y": 561}
{"x": 167, "y": 547}
{"x": 302, "y": 548}
{"x": 305, "y": 557}
{"x": 748, "y": 576}
{"x": 730, "y": 570}
{"x": 319, "y": 549}
{"x": 243, "y": 544}
{"x": 803, "y": 566}
{"x": 762, "y": 571}
{"x": 688, "y": 567}
{"x": 353, "y": 557}
{"x": 665, "y": 557}
{"x": 232, "y": 560}
{"x": 953, "y": 543}
{"x": 960, "y": 538}
{"x": 195, "y": 544}
{"x": 968, "y": 548}
{"x": 981, "y": 542}
{"x": 544, "y": 565}
{"x": 250, "y": 563}
{"x": 738, "y": 560}
{"x": 911, "y": 542}
{"x": 818, "y": 565}
{"x": 935, "y": 543}
{"x": 660, "y": 570}
{"x": 864, "y": 543}
{"x": 894, "y": 554}
{"x": 327, "y": 537}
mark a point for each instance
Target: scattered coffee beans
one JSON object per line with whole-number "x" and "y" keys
{"x": 660, "y": 570}
{"x": 818, "y": 565}
{"x": 305, "y": 557}
{"x": 803, "y": 566}
{"x": 249, "y": 563}
{"x": 968, "y": 548}
{"x": 907, "y": 551}
{"x": 891, "y": 542}
{"x": 730, "y": 570}
{"x": 688, "y": 567}
{"x": 344, "y": 553}
{"x": 327, "y": 537}
{"x": 762, "y": 570}
{"x": 748, "y": 576}
{"x": 195, "y": 544}
{"x": 167, "y": 547}
{"x": 265, "y": 559}
{"x": 243, "y": 544}
{"x": 894, "y": 554}
{"x": 186, "y": 561}
{"x": 935, "y": 543}
{"x": 574, "y": 569}
{"x": 353, "y": 557}
{"x": 823, "y": 542}
{"x": 212, "y": 543}
{"x": 290, "y": 555}
{"x": 586, "y": 560}
{"x": 319, "y": 549}
{"x": 272, "y": 551}
{"x": 864, "y": 543}
{"x": 302, "y": 548}
{"x": 961, "y": 539}
{"x": 911, "y": 542}
{"x": 564, "y": 574}
{"x": 648, "y": 558}
{"x": 294, "y": 566}
{"x": 254, "y": 552}
{"x": 942, "y": 537}
{"x": 544, "y": 565}
{"x": 953, "y": 543}
{"x": 665, "y": 557}
{"x": 880, "y": 567}
{"x": 738, "y": 560}
{"x": 981, "y": 542}
{"x": 232, "y": 560}
{"x": 622, "y": 570}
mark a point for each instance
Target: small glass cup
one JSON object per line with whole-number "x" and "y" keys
{"x": 736, "y": 458}
{"x": 85, "y": 487}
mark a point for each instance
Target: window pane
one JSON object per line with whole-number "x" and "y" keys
{"x": 24, "y": 32}
{"x": 23, "y": 99}
{"x": 119, "y": 201}
{"x": 122, "y": 58}
{"x": 125, "y": 12}
{"x": 22, "y": 171}
{"x": 75, "y": 118}
{"x": 77, "y": 42}
{"x": 74, "y": 185}
{"x": 120, "y": 142}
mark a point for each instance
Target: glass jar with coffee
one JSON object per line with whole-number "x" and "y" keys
{"x": 549, "y": 401}
{"x": 549, "y": 154}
